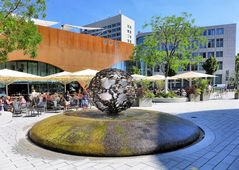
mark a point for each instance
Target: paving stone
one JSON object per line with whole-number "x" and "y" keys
{"x": 221, "y": 166}
{"x": 234, "y": 165}
{"x": 222, "y": 152}
{"x": 207, "y": 167}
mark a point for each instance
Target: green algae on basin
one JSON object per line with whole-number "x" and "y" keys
{"x": 132, "y": 132}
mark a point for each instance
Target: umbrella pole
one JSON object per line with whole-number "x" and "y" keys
{"x": 65, "y": 87}
{"x": 7, "y": 89}
{"x": 190, "y": 82}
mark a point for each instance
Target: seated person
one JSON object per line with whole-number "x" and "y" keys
{"x": 8, "y": 104}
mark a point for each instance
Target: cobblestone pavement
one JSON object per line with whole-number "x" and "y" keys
{"x": 218, "y": 150}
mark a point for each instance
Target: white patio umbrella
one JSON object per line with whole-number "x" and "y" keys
{"x": 156, "y": 77}
{"x": 9, "y": 76}
{"x": 85, "y": 75}
{"x": 137, "y": 77}
{"x": 190, "y": 75}
{"x": 64, "y": 77}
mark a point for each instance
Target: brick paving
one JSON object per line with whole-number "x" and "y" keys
{"x": 218, "y": 150}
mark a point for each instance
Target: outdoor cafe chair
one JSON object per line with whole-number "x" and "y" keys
{"x": 17, "y": 111}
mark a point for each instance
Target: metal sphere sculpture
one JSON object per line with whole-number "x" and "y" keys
{"x": 112, "y": 91}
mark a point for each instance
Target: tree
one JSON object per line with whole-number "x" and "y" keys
{"x": 17, "y": 30}
{"x": 210, "y": 66}
{"x": 171, "y": 43}
{"x": 237, "y": 71}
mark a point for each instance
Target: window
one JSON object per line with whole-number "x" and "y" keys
{"x": 203, "y": 45}
{"x": 219, "y": 54}
{"x": 209, "y": 54}
{"x": 11, "y": 65}
{"x": 203, "y": 54}
{"x": 220, "y": 42}
{"x": 211, "y": 32}
{"x": 157, "y": 68}
{"x": 194, "y": 54}
{"x": 42, "y": 69}
{"x": 204, "y": 33}
{"x": 219, "y": 31}
{"x": 218, "y": 79}
{"x": 227, "y": 75}
{"x": 220, "y": 65}
{"x": 211, "y": 43}
{"x": 140, "y": 40}
{"x": 200, "y": 66}
{"x": 32, "y": 68}
{"x": 194, "y": 67}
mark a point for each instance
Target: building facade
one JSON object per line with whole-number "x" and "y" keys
{"x": 70, "y": 51}
{"x": 221, "y": 44}
{"x": 62, "y": 50}
{"x": 118, "y": 27}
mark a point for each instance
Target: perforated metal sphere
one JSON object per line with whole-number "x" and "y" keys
{"x": 112, "y": 91}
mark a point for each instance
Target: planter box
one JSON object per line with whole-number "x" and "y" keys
{"x": 145, "y": 102}
{"x": 236, "y": 95}
{"x": 204, "y": 96}
{"x": 194, "y": 98}
{"x": 170, "y": 100}
{"x": 136, "y": 103}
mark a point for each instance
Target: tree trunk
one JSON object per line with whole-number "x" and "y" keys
{"x": 166, "y": 85}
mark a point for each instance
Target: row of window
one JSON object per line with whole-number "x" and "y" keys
{"x": 32, "y": 67}
{"x": 211, "y": 32}
{"x": 118, "y": 35}
{"x": 107, "y": 32}
{"x": 209, "y": 54}
{"x": 129, "y": 31}
{"x": 194, "y": 67}
{"x": 211, "y": 43}
{"x": 129, "y": 26}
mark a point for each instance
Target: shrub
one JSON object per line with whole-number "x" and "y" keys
{"x": 170, "y": 94}
{"x": 193, "y": 90}
{"x": 203, "y": 84}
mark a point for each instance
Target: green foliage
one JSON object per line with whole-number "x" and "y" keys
{"x": 210, "y": 65}
{"x": 170, "y": 94}
{"x": 135, "y": 70}
{"x": 171, "y": 43}
{"x": 193, "y": 90}
{"x": 159, "y": 85}
{"x": 143, "y": 90}
{"x": 17, "y": 30}
{"x": 203, "y": 84}
{"x": 148, "y": 94}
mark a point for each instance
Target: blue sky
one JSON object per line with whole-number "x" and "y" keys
{"x": 205, "y": 12}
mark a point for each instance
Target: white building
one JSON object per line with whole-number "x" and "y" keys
{"x": 118, "y": 27}
{"x": 221, "y": 43}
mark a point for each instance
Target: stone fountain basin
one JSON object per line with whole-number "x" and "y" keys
{"x": 132, "y": 132}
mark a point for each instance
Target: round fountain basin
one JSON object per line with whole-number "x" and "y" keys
{"x": 132, "y": 132}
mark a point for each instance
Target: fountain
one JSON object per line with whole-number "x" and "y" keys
{"x": 112, "y": 130}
